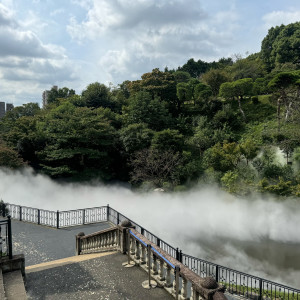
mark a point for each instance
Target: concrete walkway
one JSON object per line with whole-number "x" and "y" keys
{"x": 42, "y": 244}
{"x": 92, "y": 276}
{"x": 53, "y": 272}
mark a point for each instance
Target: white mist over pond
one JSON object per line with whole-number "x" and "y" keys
{"x": 256, "y": 236}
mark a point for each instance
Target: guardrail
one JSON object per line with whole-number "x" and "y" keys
{"x": 236, "y": 282}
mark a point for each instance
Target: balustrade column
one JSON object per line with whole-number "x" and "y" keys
{"x": 168, "y": 282}
{"x": 108, "y": 239}
{"x": 154, "y": 264}
{"x": 161, "y": 270}
{"x": 132, "y": 247}
{"x": 143, "y": 255}
{"x": 195, "y": 295}
{"x": 184, "y": 288}
{"x": 137, "y": 250}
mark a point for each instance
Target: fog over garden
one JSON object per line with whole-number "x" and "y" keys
{"x": 220, "y": 138}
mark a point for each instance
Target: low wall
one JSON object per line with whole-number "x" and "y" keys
{"x": 16, "y": 263}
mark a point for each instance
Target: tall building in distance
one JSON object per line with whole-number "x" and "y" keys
{"x": 9, "y": 106}
{"x": 46, "y": 93}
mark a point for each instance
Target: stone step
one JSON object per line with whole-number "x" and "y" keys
{"x": 64, "y": 261}
{"x": 14, "y": 286}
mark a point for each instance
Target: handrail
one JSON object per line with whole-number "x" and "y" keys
{"x": 239, "y": 281}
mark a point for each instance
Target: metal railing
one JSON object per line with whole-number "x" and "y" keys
{"x": 5, "y": 238}
{"x": 236, "y": 282}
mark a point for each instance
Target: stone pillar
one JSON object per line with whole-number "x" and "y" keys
{"x": 78, "y": 242}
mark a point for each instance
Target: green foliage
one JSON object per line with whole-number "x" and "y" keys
{"x": 55, "y": 94}
{"x": 173, "y": 128}
{"x": 78, "y": 140}
{"x": 143, "y": 109}
{"x": 281, "y": 45}
{"x": 230, "y": 181}
{"x": 167, "y": 139}
{"x": 97, "y": 95}
{"x": 214, "y": 78}
{"x": 9, "y": 158}
{"x": 136, "y": 137}
{"x": 222, "y": 157}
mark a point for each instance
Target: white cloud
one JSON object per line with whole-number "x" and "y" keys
{"x": 137, "y": 36}
{"x": 276, "y": 18}
{"x": 27, "y": 65}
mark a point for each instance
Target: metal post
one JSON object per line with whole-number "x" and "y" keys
{"x": 83, "y": 216}
{"x": 180, "y": 256}
{"x": 217, "y": 273}
{"x": 39, "y": 217}
{"x": 128, "y": 245}
{"x": 260, "y": 289}
{"x": 20, "y": 213}
{"x": 157, "y": 242}
{"x": 177, "y": 254}
{"x": 118, "y": 218}
{"x": 10, "y": 252}
{"x": 177, "y": 269}
{"x": 149, "y": 263}
{"x": 107, "y": 212}
{"x": 57, "y": 219}
{"x": 142, "y": 231}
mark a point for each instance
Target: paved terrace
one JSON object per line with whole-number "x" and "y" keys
{"x": 92, "y": 276}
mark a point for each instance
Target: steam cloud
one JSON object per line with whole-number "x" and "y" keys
{"x": 257, "y": 236}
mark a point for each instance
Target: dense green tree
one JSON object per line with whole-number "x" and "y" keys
{"x": 214, "y": 78}
{"x": 56, "y": 93}
{"x": 97, "y": 95}
{"x": 136, "y": 137}
{"x": 286, "y": 85}
{"x": 250, "y": 67}
{"x": 195, "y": 68}
{"x": 9, "y": 158}
{"x": 181, "y": 76}
{"x": 281, "y": 45}
{"x": 222, "y": 157}
{"x": 143, "y": 109}
{"x": 168, "y": 139}
{"x": 79, "y": 141}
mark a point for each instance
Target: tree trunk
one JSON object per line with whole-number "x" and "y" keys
{"x": 241, "y": 110}
{"x": 278, "y": 113}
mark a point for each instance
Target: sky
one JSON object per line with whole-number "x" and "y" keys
{"x": 74, "y": 43}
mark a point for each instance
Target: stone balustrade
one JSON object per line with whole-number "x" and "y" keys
{"x": 169, "y": 273}
{"x": 105, "y": 240}
{"x": 177, "y": 279}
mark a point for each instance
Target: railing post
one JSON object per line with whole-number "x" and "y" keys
{"x": 260, "y": 289}
{"x": 217, "y": 273}
{"x": 149, "y": 263}
{"x": 128, "y": 245}
{"x": 157, "y": 242}
{"x": 107, "y": 212}
{"x": 57, "y": 219}
{"x": 20, "y": 217}
{"x": 39, "y": 217}
{"x": 177, "y": 254}
{"x": 177, "y": 269}
{"x": 180, "y": 256}
{"x": 142, "y": 231}
{"x": 83, "y": 216}
{"x": 118, "y": 218}
{"x": 9, "y": 237}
